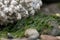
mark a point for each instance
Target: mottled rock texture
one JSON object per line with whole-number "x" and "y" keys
{"x": 32, "y": 34}
{"x": 48, "y": 37}
{"x": 13, "y": 10}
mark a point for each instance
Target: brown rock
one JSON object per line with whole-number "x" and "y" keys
{"x": 14, "y": 39}
{"x": 24, "y": 39}
{"x": 58, "y": 37}
{"x": 48, "y": 37}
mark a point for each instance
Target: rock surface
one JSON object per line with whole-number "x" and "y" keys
{"x": 48, "y": 37}
{"x": 58, "y": 37}
{"x": 51, "y": 9}
{"x": 10, "y": 36}
{"x": 55, "y": 31}
{"x": 43, "y": 37}
{"x": 32, "y": 34}
{"x": 13, "y": 10}
{"x": 14, "y": 39}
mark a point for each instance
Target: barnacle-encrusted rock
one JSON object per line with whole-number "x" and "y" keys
{"x": 12, "y": 10}
{"x": 32, "y": 34}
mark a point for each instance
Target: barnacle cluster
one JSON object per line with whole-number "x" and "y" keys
{"x": 12, "y": 10}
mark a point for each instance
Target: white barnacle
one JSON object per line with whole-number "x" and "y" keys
{"x": 0, "y": 0}
{"x": 19, "y": 16}
{"x": 20, "y": 6}
{"x": 2, "y": 14}
{"x": 26, "y": 12}
{"x": 11, "y": 6}
{"x": 40, "y": 2}
{"x": 17, "y": 8}
{"x": 23, "y": 9}
{"x": 13, "y": 2}
{"x": 37, "y": 6}
{"x": 6, "y": 2}
{"x": 32, "y": 12}
{"x": 28, "y": 1}
{"x": 6, "y": 9}
{"x": 11, "y": 9}
{"x": 1, "y": 4}
{"x": 31, "y": 8}
{"x": 22, "y": 1}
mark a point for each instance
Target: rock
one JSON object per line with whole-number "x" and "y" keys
{"x": 48, "y": 37}
{"x": 51, "y": 9}
{"x": 32, "y": 34}
{"x": 55, "y": 31}
{"x": 9, "y": 36}
{"x": 14, "y": 39}
{"x": 24, "y": 39}
{"x": 20, "y": 39}
{"x": 4, "y": 39}
{"x": 14, "y": 10}
{"x": 58, "y": 37}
